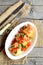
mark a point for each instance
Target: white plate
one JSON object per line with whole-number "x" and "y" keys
{"x": 10, "y": 38}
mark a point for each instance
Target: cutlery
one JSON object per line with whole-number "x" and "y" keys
{"x": 15, "y": 12}
{"x": 13, "y": 17}
{"x": 9, "y": 11}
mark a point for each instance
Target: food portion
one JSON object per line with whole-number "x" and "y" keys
{"x": 22, "y": 40}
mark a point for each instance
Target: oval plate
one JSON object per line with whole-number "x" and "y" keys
{"x": 11, "y": 36}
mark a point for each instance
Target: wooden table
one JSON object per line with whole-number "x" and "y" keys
{"x": 36, "y": 56}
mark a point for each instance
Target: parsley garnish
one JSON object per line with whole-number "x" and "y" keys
{"x": 23, "y": 46}
{"x": 15, "y": 52}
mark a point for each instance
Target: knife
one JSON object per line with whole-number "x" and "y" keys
{"x": 14, "y": 12}
{"x": 22, "y": 11}
{"x": 5, "y": 22}
{"x": 9, "y": 11}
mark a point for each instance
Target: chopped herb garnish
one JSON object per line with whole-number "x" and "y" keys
{"x": 30, "y": 37}
{"x": 23, "y": 46}
{"x": 15, "y": 52}
{"x": 24, "y": 27}
{"x": 12, "y": 46}
{"x": 23, "y": 34}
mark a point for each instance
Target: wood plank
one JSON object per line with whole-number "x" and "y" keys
{"x": 34, "y": 61}
{"x": 7, "y": 2}
{"x": 36, "y": 12}
{"x": 37, "y": 2}
{"x": 36, "y": 56}
{"x": 36, "y": 53}
{"x": 32, "y": 2}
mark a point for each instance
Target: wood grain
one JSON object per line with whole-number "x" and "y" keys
{"x": 36, "y": 13}
{"x": 35, "y": 61}
{"x": 36, "y": 56}
{"x": 7, "y": 2}
{"x": 36, "y": 53}
{"x": 32, "y": 2}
